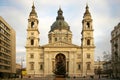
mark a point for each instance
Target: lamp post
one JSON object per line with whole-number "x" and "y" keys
{"x": 99, "y": 70}
{"x": 21, "y": 66}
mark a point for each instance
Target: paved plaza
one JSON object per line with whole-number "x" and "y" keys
{"x": 50, "y": 78}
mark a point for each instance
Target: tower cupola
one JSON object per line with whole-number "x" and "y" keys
{"x": 33, "y": 12}
{"x": 87, "y": 13}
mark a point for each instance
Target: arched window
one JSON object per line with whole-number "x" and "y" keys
{"x": 55, "y": 39}
{"x": 88, "y": 25}
{"x": 32, "y": 42}
{"x": 32, "y": 24}
{"x": 88, "y": 42}
{"x": 32, "y": 65}
{"x": 41, "y": 66}
{"x": 79, "y": 67}
{"x": 88, "y": 66}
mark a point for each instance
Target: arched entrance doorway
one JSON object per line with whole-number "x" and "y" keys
{"x": 60, "y": 64}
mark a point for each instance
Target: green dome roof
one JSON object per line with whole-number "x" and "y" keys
{"x": 60, "y": 23}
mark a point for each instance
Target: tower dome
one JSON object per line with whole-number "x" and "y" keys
{"x": 33, "y": 12}
{"x": 60, "y": 23}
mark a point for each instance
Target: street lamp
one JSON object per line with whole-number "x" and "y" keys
{"x": 21, "y": 66}
{"x": 99, "y": 69}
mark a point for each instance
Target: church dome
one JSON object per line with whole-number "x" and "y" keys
{"x": 60, "y": 23}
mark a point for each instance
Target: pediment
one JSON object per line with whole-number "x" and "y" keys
{"x": 60, "y": 44}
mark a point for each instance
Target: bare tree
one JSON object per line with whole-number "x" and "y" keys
{"x": 106, "y": 56}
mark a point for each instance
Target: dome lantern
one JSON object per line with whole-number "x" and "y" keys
{"x": 60, "y": 16}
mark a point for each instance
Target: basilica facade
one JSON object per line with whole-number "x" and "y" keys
{"x": 60, "y": 56}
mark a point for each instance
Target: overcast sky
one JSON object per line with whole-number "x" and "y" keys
{"x": 105, "y": 15}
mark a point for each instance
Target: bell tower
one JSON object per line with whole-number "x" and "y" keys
{"x": 87, "y": 29}
{"x": 32, "y": 30}
{"x": 87, "y": 43}
{"x": 32, "y": 43}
